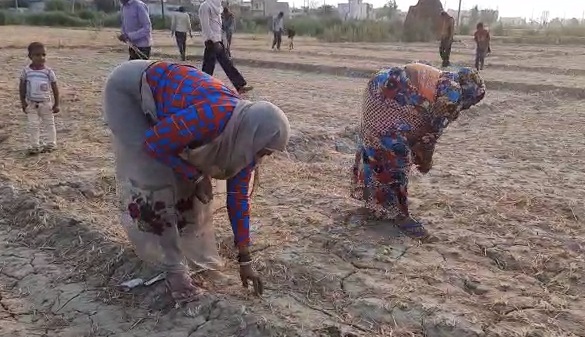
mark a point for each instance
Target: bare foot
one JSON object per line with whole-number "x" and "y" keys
{"x": 181, "y": 287}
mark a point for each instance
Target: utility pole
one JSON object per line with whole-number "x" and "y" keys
{"x": 162, "y": 9}
{"x": 458, "y": 15}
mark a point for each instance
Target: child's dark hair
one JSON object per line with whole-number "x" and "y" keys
{"x": 34, "y": 46}
{"x": 479, "y": 25}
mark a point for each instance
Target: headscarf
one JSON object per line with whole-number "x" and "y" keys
{"x": 252, "y": 127}
{"x": 472, "y": 87}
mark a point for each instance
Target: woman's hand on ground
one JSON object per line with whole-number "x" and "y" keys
{"x": 247, "y": 274}
{"x": 204, "y": 190}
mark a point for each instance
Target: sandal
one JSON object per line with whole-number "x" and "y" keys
{"x": 181, "y": 287}
{"x": 414, "y": 230}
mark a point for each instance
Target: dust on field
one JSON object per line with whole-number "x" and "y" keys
{"x": 505, "y": 197}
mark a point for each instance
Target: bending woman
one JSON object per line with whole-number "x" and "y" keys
{"x": 405, "y": 110}
{"x": 174, "y": 128}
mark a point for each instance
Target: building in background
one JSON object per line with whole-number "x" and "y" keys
{"x": 355, "y": 10}
{"x": 269, "y": 8}
{"x": 513, "y": 21}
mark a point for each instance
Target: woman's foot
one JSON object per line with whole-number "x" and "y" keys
{"x": 414, "y": 229}
{"x": 181, "y": 287}
{"x": 245, "y": 89}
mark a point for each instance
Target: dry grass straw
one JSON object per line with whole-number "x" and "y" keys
{"x": 502, "y": 198}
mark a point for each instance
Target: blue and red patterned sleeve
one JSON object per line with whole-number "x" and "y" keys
{"x": 238, "y": 204}
{"x": 169, "y": 137}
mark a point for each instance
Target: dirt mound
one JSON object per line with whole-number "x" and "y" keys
{"x": 423, "y": 21}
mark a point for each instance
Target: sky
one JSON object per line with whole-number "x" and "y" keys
{"x": 522, "y": 8}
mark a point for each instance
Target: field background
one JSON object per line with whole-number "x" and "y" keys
{"x": 505, "y": 197}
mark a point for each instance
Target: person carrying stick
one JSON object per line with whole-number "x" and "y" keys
{"x": 136, "y": 29}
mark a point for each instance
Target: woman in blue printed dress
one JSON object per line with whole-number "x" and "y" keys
{"x": 405, "y": 110}
{"x": 174, "y": 128}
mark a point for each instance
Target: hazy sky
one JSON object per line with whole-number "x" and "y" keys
{"x": 524, "y": 8}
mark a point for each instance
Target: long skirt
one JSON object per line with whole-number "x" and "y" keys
{"x": 167, "y": 225}
{"x": 383, "y": 157}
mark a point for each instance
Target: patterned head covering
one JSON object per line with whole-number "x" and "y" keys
{"x": 472, "y": 87}
{"x": 458, "y": 91}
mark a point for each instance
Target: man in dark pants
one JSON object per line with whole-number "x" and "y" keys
{"x": 277, "y": 29}
{"x": 136, "y": 29}
{"x": 180, "y": 26}
{"x": 447, "y": 32}
{"x": 210, "y": 17}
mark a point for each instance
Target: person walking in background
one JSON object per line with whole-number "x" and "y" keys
{"x": 482, "y": 40}
{"x": 180, "y": 26}
{"x": 447, "y": 32}
{"x": 136, "y": 29}
{"x": 37, "y": 82}
{"x": 228, "y": 23}
{"x": 210, "y": 17}
{"x": 291, "y": 36}
{"x": 277, "y": 29}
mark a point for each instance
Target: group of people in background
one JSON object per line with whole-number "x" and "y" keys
{"x": 481, "y": 37}
{"x": 136, "y": 31}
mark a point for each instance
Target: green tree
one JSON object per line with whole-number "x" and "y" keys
{"x": 56, "y": 5}
{"x": 474, "y": 15}
{"x": 489, "y": 16}
{"x": 326, "y": 10}
{"x": 390, "y": 9}
{"x": 108, "y": 6}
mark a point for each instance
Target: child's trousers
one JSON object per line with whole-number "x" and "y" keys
{"x": 41, "y": 115}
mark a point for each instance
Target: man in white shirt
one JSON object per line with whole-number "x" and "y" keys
{"x": 180, "y": 26}
{"x": 277, "y": 29}
{"x": 210, "y": 17}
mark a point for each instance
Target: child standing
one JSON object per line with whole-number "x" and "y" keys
{"x": 482, "y": 39}
{"x": 291, "y": 36}
{"x": 37, "y": 82}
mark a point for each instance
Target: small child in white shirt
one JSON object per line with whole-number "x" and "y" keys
{"x": 39, "y": 97}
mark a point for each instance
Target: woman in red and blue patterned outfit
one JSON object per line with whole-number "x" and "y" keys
{"x": 174, "y": 128}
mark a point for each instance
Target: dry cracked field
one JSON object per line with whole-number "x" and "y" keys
{"x": 505, "y": 198}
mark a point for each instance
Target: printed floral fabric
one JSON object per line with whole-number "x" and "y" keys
{"x": 395, "y": 116}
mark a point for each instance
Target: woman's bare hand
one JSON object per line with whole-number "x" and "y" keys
{"x": 247, "y": 274}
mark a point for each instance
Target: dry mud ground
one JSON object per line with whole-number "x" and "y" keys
{"x": 505, "y": 197}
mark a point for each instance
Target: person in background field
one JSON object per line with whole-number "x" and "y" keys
{"x": 36, "y": 84}
{"x": 447, "y": 33}
{"x": 172, "y": 134}
{"x": 136, "y": 29}
{"x": 291, "y": 36}
{"x": 405, "y": 110}
{"x": 482, "y": 39}
{"x": 228, "y": 23}
{"x": 210, "y": 17}
{"x": 180, "y": 26}
{"x": 277, "y": 29}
